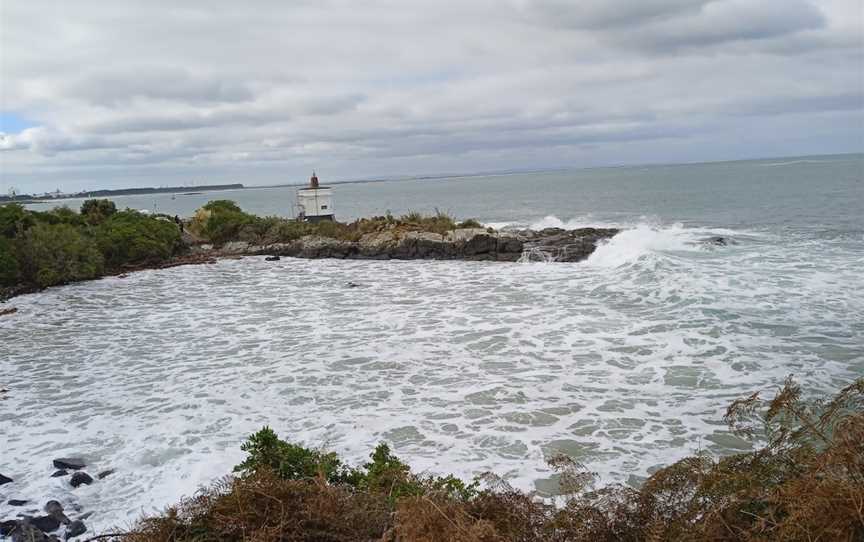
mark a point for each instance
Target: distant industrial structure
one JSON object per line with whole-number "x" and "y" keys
{"x": 315, "y": 202}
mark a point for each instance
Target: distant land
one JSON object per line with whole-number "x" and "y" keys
{"x": 27, "y": 198}
{"x": 32, "y": 198}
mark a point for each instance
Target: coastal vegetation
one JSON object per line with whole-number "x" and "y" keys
{"x": 805, "y": 482}
{"x": 61, "y": 246}
{"x": 223, "y": 221}
{"x": 41, "y": 249}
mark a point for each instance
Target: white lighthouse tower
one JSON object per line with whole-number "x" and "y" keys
{"x": 315, "y": 202}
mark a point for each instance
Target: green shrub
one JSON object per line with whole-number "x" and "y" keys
{"x": 50, "y": 254}
{"x": 9, "y": 268}
{"x": 95, "y": 211}
{"x": 290, "y": 461}
{"x": 470, "y": 223}
{"x": 285, "y": 231}
{"x": 129, "y": 237}
{"x": 57, "y": 215}
{"x": 221, "y": 221}
{"x": 13, "y": 219}
{"x": 384, "y": 474}
{"x": 222, "y": 205}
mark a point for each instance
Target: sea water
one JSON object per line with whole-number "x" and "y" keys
{"x": 625, "y": 362}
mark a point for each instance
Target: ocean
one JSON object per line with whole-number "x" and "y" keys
{"x": 625, "y": 362}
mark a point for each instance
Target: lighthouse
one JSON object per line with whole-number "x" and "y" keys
{"x": 315, "y": 202}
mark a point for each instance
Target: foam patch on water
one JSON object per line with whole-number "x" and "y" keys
{"x": 625, "y": 362}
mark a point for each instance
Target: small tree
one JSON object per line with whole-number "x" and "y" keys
{"x": 95, "y": 211}
{"x": 8, "y": 263}
{"x": 56, "y": 254}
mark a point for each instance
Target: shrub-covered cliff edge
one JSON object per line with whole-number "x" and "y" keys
{"x": 805, "y": 483}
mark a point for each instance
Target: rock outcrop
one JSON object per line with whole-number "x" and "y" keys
{"x": 71, "y": 463}
{"x": 80, "y": 478}
{"x": 476, "y": 244}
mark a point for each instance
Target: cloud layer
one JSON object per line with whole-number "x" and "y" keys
{"x": 157, "y": 92}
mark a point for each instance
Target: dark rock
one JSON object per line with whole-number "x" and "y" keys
{"x": 75, "y": 528}
{"x": 509, "y": 245}
{"x": 72, "y": 463}
{"x": 80, "y": 478}
{"x": 480, "y": 244}
{"x": 60, "y": 473}
{"x": 85, "y": 515}
{"x": 46, "y": 524}
{"x": 719, "y": 241}
{"x": 567, "y": 246}
{"x": 17, "y": 502}
{"x": 105, "y": 474}
{"x": 6, "y": 527}
{"x": 55, "y": 510}
{"x": 272, "y": 258}
{"x": 5, "y": 480}
{"x": 25, "y": 531}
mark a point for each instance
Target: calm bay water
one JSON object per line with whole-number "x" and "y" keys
{"x": 625, "y": 361}
{"x": 793, "y": 192}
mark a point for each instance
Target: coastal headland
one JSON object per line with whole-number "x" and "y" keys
{"x": 42, "y": 249}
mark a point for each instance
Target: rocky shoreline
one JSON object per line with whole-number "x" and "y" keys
{"x": 470, "y": 244}
{"x": 51, "y": 521}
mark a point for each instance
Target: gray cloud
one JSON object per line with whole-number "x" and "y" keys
{"x": 182, "y": 90}
{"x": 120, "y": 86}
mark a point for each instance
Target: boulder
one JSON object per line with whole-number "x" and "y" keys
{"x": 377, "y": 244}
{"x": 421, "y": 245}
{"x": 235, "y": 248}
{"x": 509, "y": 244}
{"x": 71, "y": 463}
{"x": 59, "y": 473}
{"x": 105, "y": 474}
{"x": 314, "y": 246}
{"x": 481, "y": 243}
{"x": 5, "y": 480}
{"x": 556, "y": 244}
{"x": 46, "y": 524}
{"x": 75, "y": 528}
{"x": 25, "y": 531}
{"x": 463, "y": 235}
{"x": 16, "y": 502}
{"x": 55, "y": 510}
{"x": 81, "y": 478}
{"x": 6, "y": 527}
{"x": 718, "y": 240}
{"x": 272, "y": 259}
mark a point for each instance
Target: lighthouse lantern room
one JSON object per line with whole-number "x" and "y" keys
{"x": 315, "y": 202}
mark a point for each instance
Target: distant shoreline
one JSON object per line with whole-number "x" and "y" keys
{"x": 28, "y": 199}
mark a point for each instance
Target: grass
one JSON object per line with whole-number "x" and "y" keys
{"x": 805, "y": 483}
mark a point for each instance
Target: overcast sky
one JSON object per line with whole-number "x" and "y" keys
{"x": 126, "y": 93}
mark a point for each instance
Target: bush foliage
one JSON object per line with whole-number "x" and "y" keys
{"x": 40, "y": 249}
{"x": 223, "y": 221}
{"x": 805, "y": 483}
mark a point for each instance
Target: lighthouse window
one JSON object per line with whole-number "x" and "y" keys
{"x": 323, "y": 206}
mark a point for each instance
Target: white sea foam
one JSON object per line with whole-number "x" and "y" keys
{"x": 625, "y": 361}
